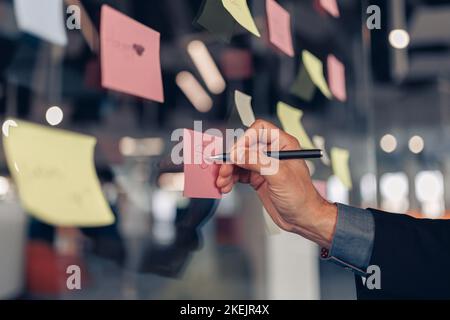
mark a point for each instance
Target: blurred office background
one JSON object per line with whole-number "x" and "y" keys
{"x": 163, "y": 246}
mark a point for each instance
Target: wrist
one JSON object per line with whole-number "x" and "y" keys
{"x": 320, "y": 224}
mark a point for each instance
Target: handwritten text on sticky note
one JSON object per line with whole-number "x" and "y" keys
{"x": 130, "y": 57}
{"x": 200, "y": 173}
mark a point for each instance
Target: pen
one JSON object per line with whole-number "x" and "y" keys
{"x": 281, "y": 155}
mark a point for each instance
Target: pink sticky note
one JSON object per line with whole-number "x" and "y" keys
{"x": 130, "y": 57}
{"x": 237, "y": 64}
{"x": 331, "y": 7}
{"x": 336, "y": 78}
{"x": 279, "y": 23}
{"x": 200, "y": 174}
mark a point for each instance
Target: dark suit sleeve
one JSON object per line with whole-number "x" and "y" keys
{"x": 413, "y": 256}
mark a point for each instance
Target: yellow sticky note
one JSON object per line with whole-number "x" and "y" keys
{"x": 241, "y": 13}
{"x": 291, "y": 120}
{"x": 55, "y": 175}
{"x": 340, "y": 163}
{"x": 315, "y": 69}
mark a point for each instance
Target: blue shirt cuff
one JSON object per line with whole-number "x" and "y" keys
{"x": 353, "y": 239}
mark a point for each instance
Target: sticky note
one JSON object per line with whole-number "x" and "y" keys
{"x": 315, "y": 69}
{"x": 279, "y": 23}
{"x": 303, "y": 87}
{"x": 336, "y": 78}
{"x": 340, "y": 162}
{"x": 200, "y": 174}
{"x": 244, "y": 107}
{"x": 241, "y": 13}
{"x": 319, "y": 142}
{"x": 216, "y": 19}
{"x": 44, "y": 19}
{"x": 291, "y": 120}
{"x": 331, "y": 7}
{"x": 55, "y": 175}
{"x": 130, "y": 57}
{"x": 237, "y": 64}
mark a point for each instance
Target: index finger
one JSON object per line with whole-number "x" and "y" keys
{"x": 264, "y": 132}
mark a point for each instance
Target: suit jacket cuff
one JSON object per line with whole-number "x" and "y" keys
{"x": 353, "y": 239}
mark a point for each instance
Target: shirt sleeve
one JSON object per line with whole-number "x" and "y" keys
{"x": 353, "y": 239}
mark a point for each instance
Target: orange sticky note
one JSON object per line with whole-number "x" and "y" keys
{"x": 279, "y": 22}
{"x": 331, "y": 7}
{"x": 130, "y": 56}
{"x": 200, "y": 174}
{"x": 336, "y": 78}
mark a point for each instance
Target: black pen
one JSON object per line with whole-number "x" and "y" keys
{"x": 281, "y": 155}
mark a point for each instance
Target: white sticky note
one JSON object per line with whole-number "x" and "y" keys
{"x": 244, "y": 107}
{"x": 42, "y": 18}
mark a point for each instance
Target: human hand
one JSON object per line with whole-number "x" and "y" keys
{"x": 288, "y": 194}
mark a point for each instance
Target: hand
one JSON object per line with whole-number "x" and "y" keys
{"x": 288, "y": 195}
